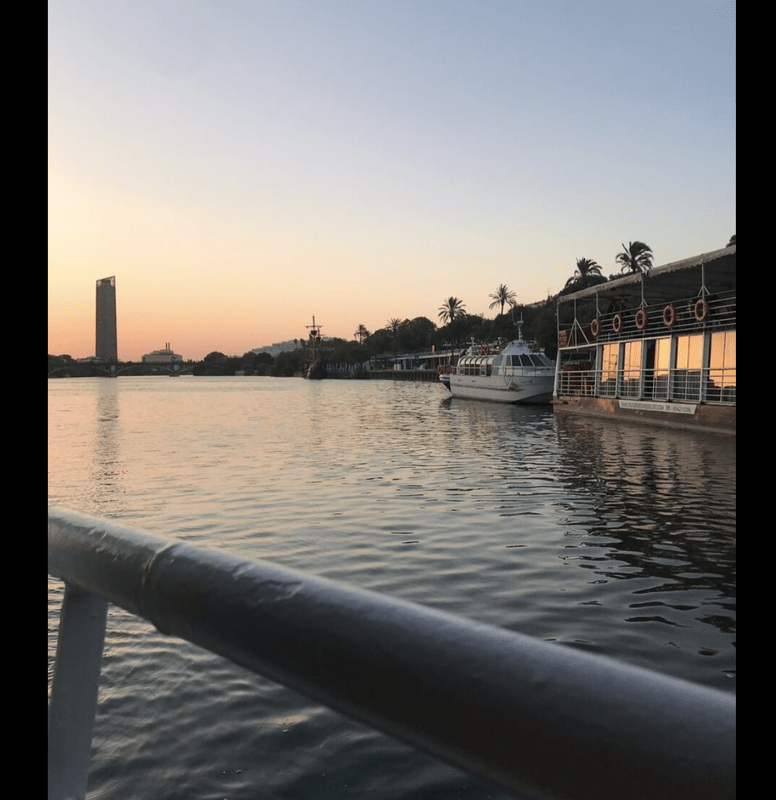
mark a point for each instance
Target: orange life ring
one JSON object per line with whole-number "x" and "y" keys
{"x": 669, "y": 316}
{"x": 480, "y": 350}
{"x": 641, "y": 319}
{"x": 448, "y": 369}
{"x": 595, "y": 327}
{"x": 617, "y": 323}
{"x": 440, "y": 369}
{"x": 701, "y": 309}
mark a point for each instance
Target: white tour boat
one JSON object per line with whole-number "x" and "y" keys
{"x": 513, "y": 375}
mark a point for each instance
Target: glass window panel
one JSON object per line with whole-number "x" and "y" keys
{"x": 662, "y": 356}
{"x": 689, "y": 352}
{"x": 721, "y": 385}
{"x": 631, "y": 369}
{"x": 687, "y": 375}
{"x": 662, "y": 366}
{"x": 609, "y": 356}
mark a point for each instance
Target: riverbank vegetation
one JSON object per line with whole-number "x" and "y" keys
{"x": 398, "y": 336}
{"x": 405, "y": 336}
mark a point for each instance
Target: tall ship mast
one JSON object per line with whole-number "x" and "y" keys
{"x": 314, "y": 369}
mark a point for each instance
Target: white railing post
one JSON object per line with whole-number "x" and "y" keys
{"x": 74, "y": 693}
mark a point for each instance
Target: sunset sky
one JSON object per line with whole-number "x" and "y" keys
{"x": 240, "y": 165}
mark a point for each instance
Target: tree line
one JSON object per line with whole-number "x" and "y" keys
{"x": 539, "y": 325}
{"x": 457, "y": 327}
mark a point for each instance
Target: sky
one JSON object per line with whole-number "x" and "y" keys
{"x": 242, "y": 165}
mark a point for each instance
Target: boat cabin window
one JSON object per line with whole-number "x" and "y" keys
{"x": 659, "y": 363}
{"x": 529, "y": 360}
{"x": 721, "y": 385}
{"x": 631, "y": 370}
{"x": 474, "y": 366}
{"x": 520, "y": 361}
{"x": 540, "y": 361}
{"x": 609, "y": 355}
{"x": 689, "y": 364}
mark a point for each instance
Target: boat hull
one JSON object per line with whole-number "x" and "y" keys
{"x": 315, "y": 371}
{"x": 500, "y": 389}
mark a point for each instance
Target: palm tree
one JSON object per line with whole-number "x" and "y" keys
{"x": 362, "y": 334}
{"x": 394, "y": 326}
{"x": 451, "y": 310}
{"x": 636, "y": 257}
{"x": 501, "y": 297}
{"x": 586, "y": 274}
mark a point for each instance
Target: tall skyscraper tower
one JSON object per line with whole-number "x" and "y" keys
{"x": 106, "y": 346}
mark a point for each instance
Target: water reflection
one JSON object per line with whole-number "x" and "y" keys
{"x": 655, "y": 508}
{"x": 613, "y": 538}
{"x": 107, "y": 469}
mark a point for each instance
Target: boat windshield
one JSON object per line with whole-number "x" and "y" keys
{"x": 529, "y": 360}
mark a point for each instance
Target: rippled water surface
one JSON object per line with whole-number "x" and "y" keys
{"x": 609, "y": 537}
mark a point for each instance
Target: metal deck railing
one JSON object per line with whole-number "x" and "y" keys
{"x": 712, "y": 386}
{"x": 718, "y": 314}
{"x": 538, "y": 719}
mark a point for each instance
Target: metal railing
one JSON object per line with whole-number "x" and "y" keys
{"x": 719, "y": 313}
{"x": 715, "y": 386}
{"x": 538, "y": 719}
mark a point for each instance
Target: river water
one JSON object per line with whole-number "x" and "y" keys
{"x": 609, "y": 537}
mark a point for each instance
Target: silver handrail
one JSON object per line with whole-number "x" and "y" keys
{"x": 535, "y": 718}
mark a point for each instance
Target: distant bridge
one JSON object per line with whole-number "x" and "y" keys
{"x": 97, "y": 370}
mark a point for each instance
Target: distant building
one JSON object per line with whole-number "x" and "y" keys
{"x": 276, "y": 348}
{"x": 106, "y": 347}
{"x": 163, "y": 356}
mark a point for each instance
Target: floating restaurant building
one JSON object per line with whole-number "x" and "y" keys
{"x": 656, "y": 347}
